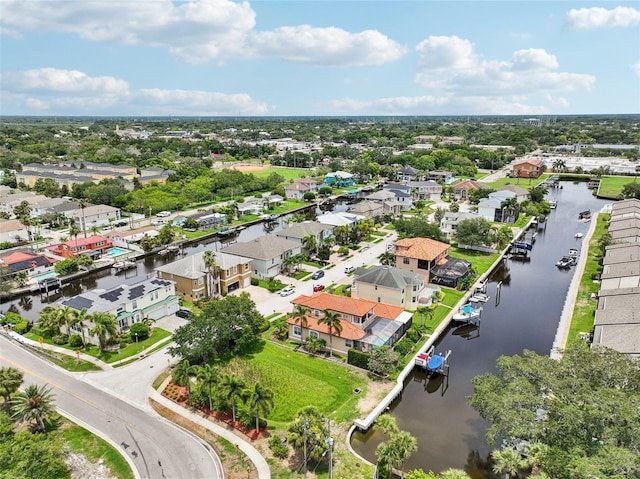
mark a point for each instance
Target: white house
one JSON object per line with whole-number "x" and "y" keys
{"x": 450, "y": 220}
{"x": 491, "y": 208}
{"x": 339, "y": 218}
{"x": 267, "y": 252}
{"x": 12, "y": 231}
{"x": 93, "y": 215}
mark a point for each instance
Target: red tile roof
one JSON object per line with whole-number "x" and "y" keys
{"x": 349, "y": 330}
{"x": 80, "y": 241}
{"x": 465, "y": 185}
{"x": 420, "y": 248}
{"x": 342, "y": 304}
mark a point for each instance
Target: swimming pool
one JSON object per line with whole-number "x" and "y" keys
{"x": 115, "y": 251}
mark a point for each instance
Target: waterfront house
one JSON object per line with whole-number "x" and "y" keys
{"x": 528, "y": 168}
{"x": 32, "y": 264}
{"x": 208, "y": 220}
{"x": 267, "y": 252}
{"x": 152, "y": 298}
{"x": 520, "y": 193}
{"x": 339, "y": 179}
{"x": 420, "y": 255}
{"x": 94, "y": 246}
{"x": 251, "y": 206}
{"x": 93, "y": 215}
{"x": 299, "y": 231}
{"x": 402, "y": 193}
{"x": 461, "y": 190}
{"x": 491, "y": 208}
{"x": 192, "y": 278}
{"x": 369, "y": 209}
{"x": 12, "y": 231}
{"x": 387, "y": 284}
{"x": 297, "y": 189}
{"x": 450, "y": 220}
{"x": 390, "y": 205}
{"x": 340, "y": 218}
{"x": 365, "y": 324}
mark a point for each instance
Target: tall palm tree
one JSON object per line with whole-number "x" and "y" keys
{"x": 299, "y": 313}
{"x": 507, "y": 460}
{"x": 386, "y": 424}
{"x": 386, "y": 456}
{"x": 104, "y": 326}
{"x": 82, "y": 204}
{"x": 182, "y": 374}
{"x": 387, "y": 258}
{"x": 49, "y": 319}
{"x": 81, "y": 317}
{"x": 510, "y": 207}
{"x": 10, "y": 381}
{"x": 68, "y": 317}
{"x": 341, "y": 233}
{"x": 405, "y": 445}
{"x": 310, "y": 243}
{"x": 94, "y": 230}
{"x": 74, "y": 231}
{"x": 207, "y": 377}
{"x": 34, "y": 405}
{"x": 260, "y": 401}
{"x": 233, "y": 388}
{"x": 334, "y": 324}
{"x": 214, "y": 272}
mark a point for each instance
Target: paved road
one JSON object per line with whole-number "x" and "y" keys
{"x": 157, "y": 448}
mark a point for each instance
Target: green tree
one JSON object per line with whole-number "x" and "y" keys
{"x": 50, "y": 320}
{"x": 33, "y": 456}
{"x": 473, "y": 232}
{"x": 104, "y": 326}
{"x": 507, "y": 461}
{"x": 510, "y": 210}
{"x": 383, "y": 360}
{"x": 147, "y": 243}
{"x": 299, "y": 315}
{"x": 309, "y": 430}
{"x": 386, "y": 424}
{"x": 233, "y": 388}
{"x": 183, "y": 373}
{"x": 10, "y": 381}
{"x": 34, "y": 405}
{"x": 310, "y": 243}
{"x": 404, "y": 444}
{"x": 260, "y": 402}
{"x": 207, "y": 377}
{"x": 21, "y": 278}
{"x": 438, "y": 215}
{"x": 82, "y": 204}
{"x": 213, "y": 273}
{"x": 166, "y": 235}
{"x": 231, "y": 325}
{"x": 387, "y": 258}
{"x": 334, "y": 324}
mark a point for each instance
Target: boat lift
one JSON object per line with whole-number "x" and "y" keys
{"x": 433, "y": 363}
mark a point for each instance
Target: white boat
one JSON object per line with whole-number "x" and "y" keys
{"x": 564, "y": 263}
{"x": 479, "y": 297}
{"x": 467, "y": 313}
{"x": 553, "y": 203}
{"x": 578, "y": 235}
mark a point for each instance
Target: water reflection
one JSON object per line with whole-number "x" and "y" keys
{"x": 531, "y": 296}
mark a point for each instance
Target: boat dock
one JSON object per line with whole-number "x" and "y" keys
{"x": 123, "y": 265}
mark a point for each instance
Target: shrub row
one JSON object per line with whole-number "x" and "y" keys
{"x": 358, "y": 358}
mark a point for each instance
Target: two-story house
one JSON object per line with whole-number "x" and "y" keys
{"x": 339, "y": 179}
{"x": 425, "y": 190}
{"x": 267, "y": 252}
{"x": 12, "y": 231}
{"x": 390, "y": 205}
{"x": 152, "y": 298}
{"x": 387, "y": 284}
{"x": 407, "y": 173}
{"x": 402, "y": 193}
{"x": 450, "y": 220}
{"x": 94, "y": 246}
{"x": 369, "y": 209}
{"x": 299, "y": 231}
{"x": 365, "y": 324}
{"x": 440, "y": 176}
{"x": 93, "y": 215}
{"x": 420, "y": 255}
{"x": 193, "y": 279}
{"x": 528, "y": 168}
{"x": 297, "y": 189}
{"x": 492, "y": 209}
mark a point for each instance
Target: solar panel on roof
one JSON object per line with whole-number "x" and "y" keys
{"x": 136, "y": 292}
{"x": 78, "y": 303}
{"x": 113, "y": 295}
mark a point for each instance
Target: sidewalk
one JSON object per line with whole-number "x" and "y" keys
{"x": 252, "y": 453}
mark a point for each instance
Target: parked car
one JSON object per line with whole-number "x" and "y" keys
{"x": 184, "y": 313}
{"x": 318, "y": 287}
{"x": 287, "y": 291}
{"x": 163, "y": 214}
{"x": 318, "y": 274}
{"x": 349, "y": 269}
{"x": 120, "y": 223}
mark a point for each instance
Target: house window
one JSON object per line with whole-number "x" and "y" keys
{"x": 134, "y": 304}
{"x": 314, "y": 334}
{"x": 378, "y": 299}
{"x": 413, "y": 299}
{"x": 415, "y": 288}
{"x": 154, "y": 295}
{"x": 297, "y": 331}
{"x": 423, "y": 264}
{"x": 406, "y": 260}
{"x": 316, "y": 313}
{"x": 376, "y": 287}
{"x": 348, "y": 343}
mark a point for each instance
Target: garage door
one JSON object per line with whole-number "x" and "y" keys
{"x": 173, "y": 307}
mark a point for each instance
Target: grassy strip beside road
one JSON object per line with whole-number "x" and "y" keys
{"x": 94, "y": 448}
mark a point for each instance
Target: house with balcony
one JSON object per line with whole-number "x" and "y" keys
{"x": 450, "y": 220}
{"x": 407, "y": 173}
{"x": 95, "y": 246}
{"x": 365, "y": 324}
{"x": 193, "y": 281}
{"x": 528, "y": 168}
{"x": 402, "y": 193}
{"x": 440, "y": 176}
{"x": 267, "y": 253}
{"x": 391, "y": 285}
{"x": 491, "y": 208}
{"x": 425, "y": 190}
{"x": 420, "y": 255}
{"x": 129, "y": 303}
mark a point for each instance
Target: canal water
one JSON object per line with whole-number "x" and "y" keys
{"x": 450, "y": 434}
{"x": 29, "y": 306}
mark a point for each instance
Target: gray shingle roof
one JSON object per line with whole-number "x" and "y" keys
{"x": 388, "y": 277}
{"x": 193, "y": 267}
{"x": 306, "y": 228}
{"x": 264, "y": 247}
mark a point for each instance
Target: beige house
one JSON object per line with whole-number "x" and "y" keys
{"x": 386, "y": 284}
{"x": 193, "y": 281}
{"x": 420, "y": 255}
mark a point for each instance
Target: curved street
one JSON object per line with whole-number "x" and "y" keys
{"x": 157, "y": 448}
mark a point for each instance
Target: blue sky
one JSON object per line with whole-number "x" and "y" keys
{"x": 283, "y": 58}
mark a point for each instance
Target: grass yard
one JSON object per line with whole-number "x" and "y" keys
{"x": 585, "y": 307}
{"x": 287, "y": 173}
{"x": 611, "y": 186}
{"x": 480, "y": 261}
{"x": 94, "y": 448}
{"x": 521, "y": 182}
{"x": 328, "y": 386}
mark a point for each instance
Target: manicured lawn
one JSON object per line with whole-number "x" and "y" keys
{"x": 611, "y": 186}
{"x": 94, "y": 448}
{"x": 521, "y": 182}
{"x": 481, "y": 261}
{"x": 585, "y": 307}
{"x": 327, "y": 386}
{"x": 287, "y": 173}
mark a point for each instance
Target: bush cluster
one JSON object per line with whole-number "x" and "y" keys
{"x": 278, "y": 447}
{"x": 358, "y": 358}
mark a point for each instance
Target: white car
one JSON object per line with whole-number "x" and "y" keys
{"x": 287, "y": 291}
{"x": 163, "y": 214}
{"x": 349, "y": 269}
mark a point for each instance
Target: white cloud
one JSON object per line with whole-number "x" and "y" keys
{"x": 598, "y": 17}
{"x": 71, "y": 92}
{"x": 198, "y": 31}
{"x": 326, "y": 46}
{"x": 636, "y": 68}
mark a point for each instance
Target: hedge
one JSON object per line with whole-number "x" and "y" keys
{"x": 358, "y": 358}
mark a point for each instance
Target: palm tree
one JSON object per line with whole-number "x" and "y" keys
{"x": 21, "y": 278}
{"x": 94, "y": 230}
{"x": 405, "y": 445}
{"x": 74, "y": 231}
{"x": 49, "y": 319}
{"x": 104, "y": 327}
{"x": 341, "y": 233}
{"x": 387, "y": 258}
{"x": 386, "y": 456}
{"x": 334, "y": 324}
{"x": 81, "y": 317}
{"x": 233, "y": 388}
{"x": 182, "y": 374}
{"x": 507, "y": 460}
{"x": 214, "y": 272}
{"x": 10, "y": 381}
{"x": 310, "y": 243}
{"x": 536, "y": 454}
{"x": 559, "y": 165}
{"x": 82, "y": 204}
{"x": 260, "y": 401}
{"x": 68, "y": 317}
{"x": 386, "y": 424}
{"x": 299, "y": 313}
{"x": 455, "y": 474}
{"x": 510, "y": 205}
{"x": 34, "y": 405}
{"x": 207, "y": 377}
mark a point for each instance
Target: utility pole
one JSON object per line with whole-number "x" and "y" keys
{"x": 305, "y": 425}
